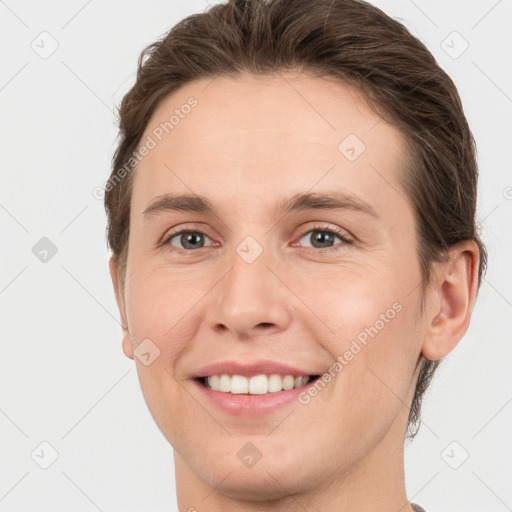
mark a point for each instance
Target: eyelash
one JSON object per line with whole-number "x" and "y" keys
{"x": 322, "y": 229}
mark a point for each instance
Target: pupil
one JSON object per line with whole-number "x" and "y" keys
{"x": 322, "y": 237}
{"x": 190, "y": 239}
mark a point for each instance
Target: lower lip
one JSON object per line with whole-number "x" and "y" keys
{"x": 250, "y": 405}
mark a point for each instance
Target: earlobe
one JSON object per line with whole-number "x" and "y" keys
{"x": 126, "y": 343}
{"x": 456, "y": 288}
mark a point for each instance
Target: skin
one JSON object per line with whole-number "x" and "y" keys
{"x": 250, "y": 143}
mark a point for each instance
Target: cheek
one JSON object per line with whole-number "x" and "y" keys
{"x": 158, "y": 303}
{"x": 374, "y": 339}
{"x": 164, "y": 307}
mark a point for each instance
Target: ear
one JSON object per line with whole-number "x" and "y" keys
{"x": 454, "y": 294}
{"x": 126, "y": 343}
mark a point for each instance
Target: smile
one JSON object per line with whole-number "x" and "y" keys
{"x": 256, "y": 385}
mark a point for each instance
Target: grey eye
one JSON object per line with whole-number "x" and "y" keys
{"x": 321, "y": 238}
{"x": 189, "y": 240}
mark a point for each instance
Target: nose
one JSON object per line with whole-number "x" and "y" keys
{"x": 250, "y": 299}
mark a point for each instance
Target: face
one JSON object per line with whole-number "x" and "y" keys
{"x": 261, "y": 277}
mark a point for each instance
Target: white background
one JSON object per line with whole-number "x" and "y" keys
{"x": 63, "y": 376}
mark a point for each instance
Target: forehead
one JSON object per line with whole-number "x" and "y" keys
{"x": 250, "y": 137}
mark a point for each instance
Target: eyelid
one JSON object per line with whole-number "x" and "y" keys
{"x": 345, "y": 237}
{"x": 170, "y": 234}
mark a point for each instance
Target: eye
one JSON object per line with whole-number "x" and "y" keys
{"x": 189, "y": 239}
{"x": 322, "y": 237}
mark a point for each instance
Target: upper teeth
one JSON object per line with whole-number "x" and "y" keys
{"x": 257, "y": 385}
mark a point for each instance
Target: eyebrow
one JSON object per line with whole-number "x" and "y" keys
{"x": 297, "y": 203}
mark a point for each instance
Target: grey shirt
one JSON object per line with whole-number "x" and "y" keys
{"x": 417, "y": 508}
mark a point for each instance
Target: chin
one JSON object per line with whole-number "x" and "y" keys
{"x": 240, "y": 470}
{"x": 267, "y": 483}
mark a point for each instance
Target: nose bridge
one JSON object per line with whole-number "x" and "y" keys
{"x": 249, "y": 296}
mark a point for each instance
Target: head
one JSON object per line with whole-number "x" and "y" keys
{"x": 246, "y": 106}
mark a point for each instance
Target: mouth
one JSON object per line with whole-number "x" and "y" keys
{"x": 251, "y": 389}
{"x": 261, "y": 384}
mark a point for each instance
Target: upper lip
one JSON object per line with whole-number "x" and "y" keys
{"x": 249, "y": 369}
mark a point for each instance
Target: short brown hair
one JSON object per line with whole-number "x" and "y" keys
{"x": 347, "y": 39}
